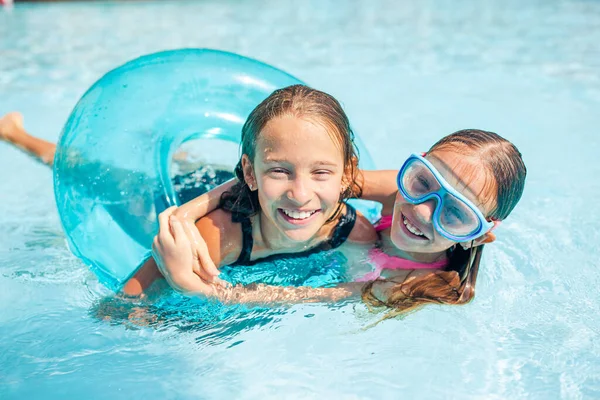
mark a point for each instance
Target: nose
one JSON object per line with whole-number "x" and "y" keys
{"x": 424, "y": 211}
{"x": 300, "y": 191}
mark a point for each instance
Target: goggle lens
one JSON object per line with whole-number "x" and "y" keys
{"x": 456, "y": 217}
{"x": 418, "y": 180}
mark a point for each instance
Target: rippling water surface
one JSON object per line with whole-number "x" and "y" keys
{"x": 407, "y": 72}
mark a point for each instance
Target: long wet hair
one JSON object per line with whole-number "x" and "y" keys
{"x": 506, "y": 172}
{"x": 302, "y": 102}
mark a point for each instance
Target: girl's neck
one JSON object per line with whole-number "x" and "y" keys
{"x": 389, "y": 248}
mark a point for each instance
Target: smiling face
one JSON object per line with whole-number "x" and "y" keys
{"x": 297, "y": 170}
{"x": 412, "y": 228}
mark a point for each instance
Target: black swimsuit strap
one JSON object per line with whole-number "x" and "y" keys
{"x": 247, "y": 241}
{"x": 343, "y": 228}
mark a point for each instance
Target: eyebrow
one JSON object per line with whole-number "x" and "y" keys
{"x": 283, "y": 161}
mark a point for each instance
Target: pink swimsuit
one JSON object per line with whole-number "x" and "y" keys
{"x": 383, "y": 261}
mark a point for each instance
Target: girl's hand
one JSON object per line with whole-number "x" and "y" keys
{"x": 202, "y": 263}
{"x": 191, "y": 212}
{"x": 174, "y": 256}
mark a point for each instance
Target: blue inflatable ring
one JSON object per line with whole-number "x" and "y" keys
{"x": 112, "y": 165}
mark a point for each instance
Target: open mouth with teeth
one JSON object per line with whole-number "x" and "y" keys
{"x": 412, "y": 230}
{"x": 297, "y": 217}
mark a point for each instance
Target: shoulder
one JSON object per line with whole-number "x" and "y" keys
{"x": 223, "y": 237}
{"x": 363, "y": 231}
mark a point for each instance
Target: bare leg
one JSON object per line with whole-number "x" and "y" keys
{"x": 12, "y": 131}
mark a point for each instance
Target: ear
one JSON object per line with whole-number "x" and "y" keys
{"x": 488, "y": 237}
{"x": 248, "y": 170}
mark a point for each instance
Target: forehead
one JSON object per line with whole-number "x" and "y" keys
{"x": 467, "y": 175}
{"x": 297, "y": 139}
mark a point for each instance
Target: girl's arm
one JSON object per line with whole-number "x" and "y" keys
{"x": 172, "y": 251}
{"x": 201, "y": 261}
{"x": 267, "y": 294}
{"x": 175, "y": 255}
{"x": 380, "y": 186}
{"x": 202, "y": 205}
{"x": 189, "y": 213}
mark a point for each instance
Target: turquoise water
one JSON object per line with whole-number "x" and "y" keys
{"x": 407, "y": 72}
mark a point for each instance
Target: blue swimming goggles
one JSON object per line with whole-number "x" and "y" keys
{"x": 455, "y": 217}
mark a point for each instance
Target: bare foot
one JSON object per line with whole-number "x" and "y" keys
{"x": 11, "y": 125}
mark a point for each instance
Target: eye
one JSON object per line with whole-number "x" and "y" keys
{"x": 278, "y": 172}
{"x": 419, "y": 184}
{"x": 322, "y": 174}
{"x": 424, "y": 183}
{"x": 453, "y": 214}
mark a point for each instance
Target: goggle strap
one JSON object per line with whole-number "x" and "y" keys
{"x": 469, "y": 263}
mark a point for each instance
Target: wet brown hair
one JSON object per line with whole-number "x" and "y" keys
{"x": 504, "y": 166}
{"x": 302, "y": 102}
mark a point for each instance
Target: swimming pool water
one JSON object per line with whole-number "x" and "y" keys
{"x": 407, "y": 72}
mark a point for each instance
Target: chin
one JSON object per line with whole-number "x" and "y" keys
{"x": 406, "y": 244}
{"x": 410, "y": 246}
{"x": 300, "y": 235}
